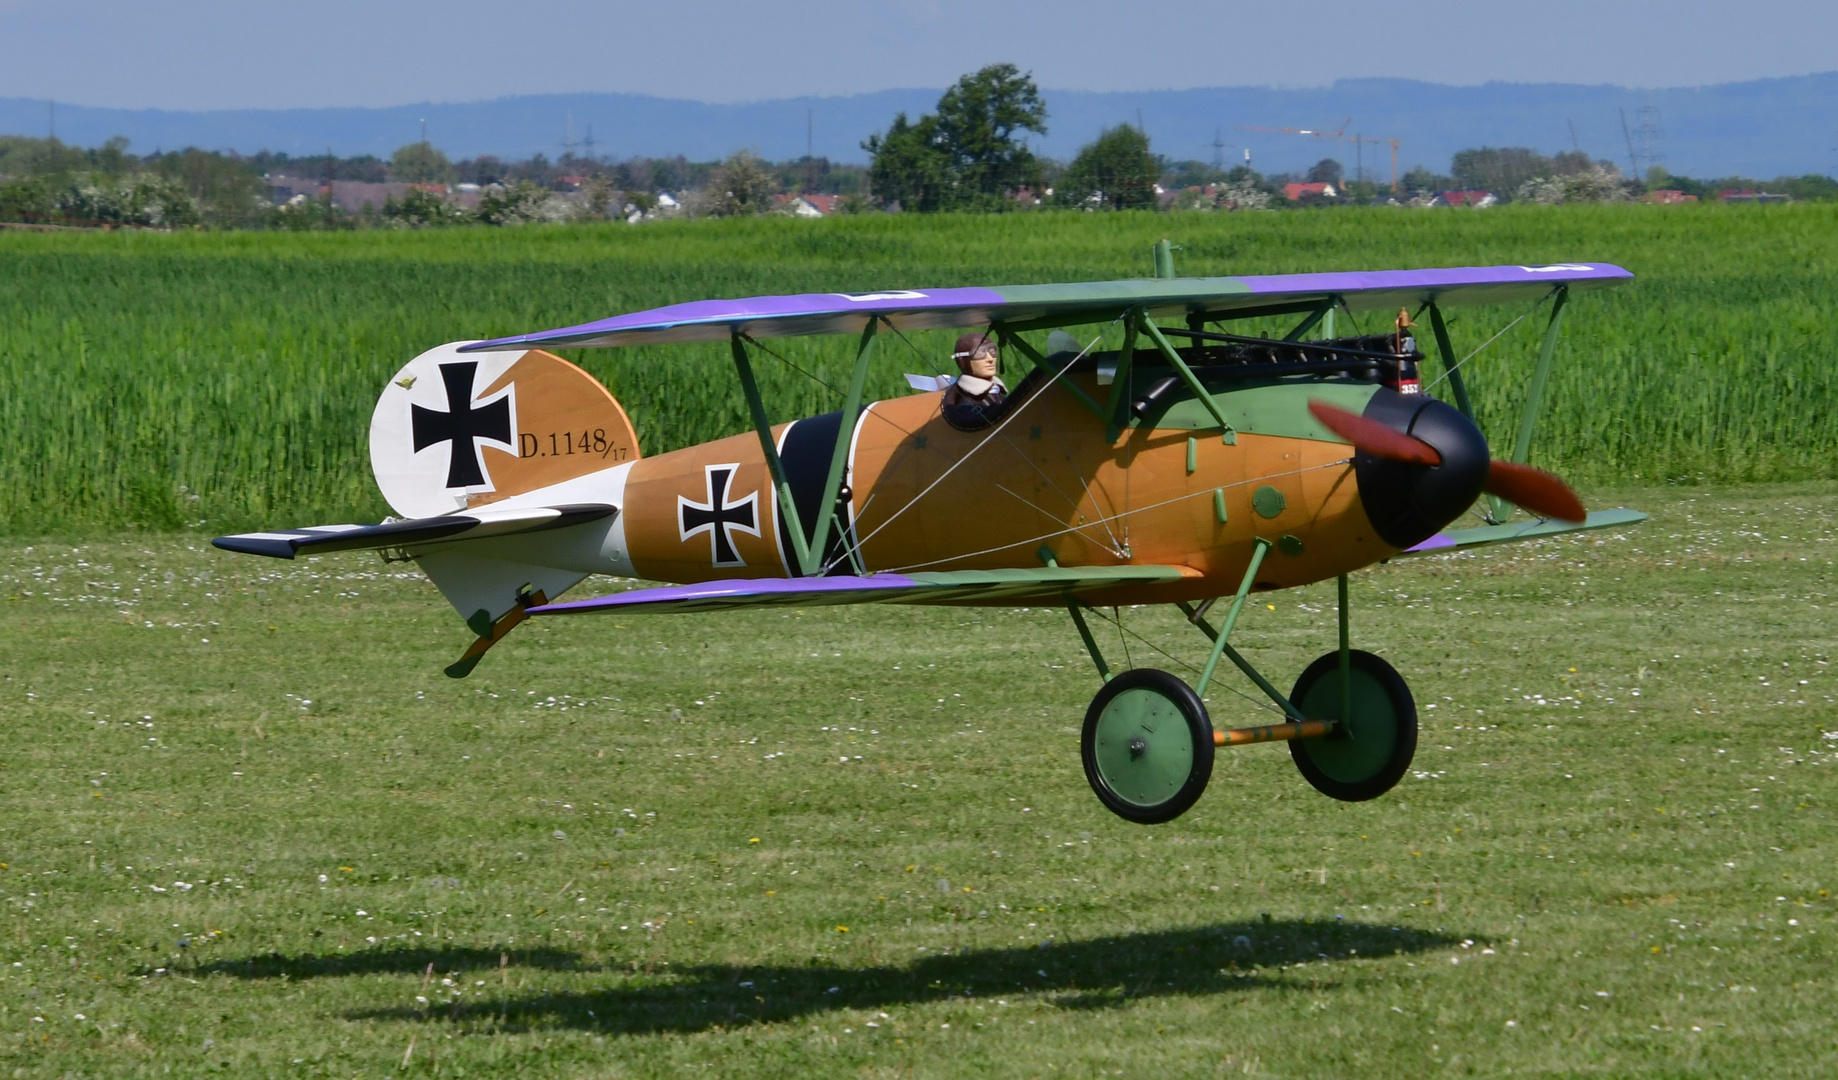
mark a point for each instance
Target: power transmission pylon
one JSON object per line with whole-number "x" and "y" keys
{"x": 1647, "y": 136}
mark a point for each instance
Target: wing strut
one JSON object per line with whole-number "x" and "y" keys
{"x": 809, "y": 552}
{"x": 762, "y": 424}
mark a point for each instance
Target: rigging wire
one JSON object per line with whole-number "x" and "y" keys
{"x": 1122, "y": 547}
{"x": 1457, "y": 366}
{"x": 1070, "y": 501}
{"x": 923, "y": 359}
{"x": 790, "y": 365}
{"x": 1257, "y": 703}
{"x": 1042, "y": 511}
{"x": 1007, "y": 420}
{"x": 1207, "y": 493}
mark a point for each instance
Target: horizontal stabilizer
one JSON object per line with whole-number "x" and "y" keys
{"x": 1451, "y": 539}
{"x": 944, "y": 587}
{"x": 470, "y": 525}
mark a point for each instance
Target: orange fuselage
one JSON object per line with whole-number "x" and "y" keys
{"x": 921, "y": 494}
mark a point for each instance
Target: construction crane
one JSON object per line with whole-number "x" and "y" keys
{"x": 1337, "y": 136}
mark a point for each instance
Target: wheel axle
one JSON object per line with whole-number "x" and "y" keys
{"x": 1244, "y": 736}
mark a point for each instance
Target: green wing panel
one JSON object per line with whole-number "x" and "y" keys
{"x": 1451, "y": 539}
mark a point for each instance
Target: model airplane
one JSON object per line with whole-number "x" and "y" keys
{"x": 1188, "y": 466}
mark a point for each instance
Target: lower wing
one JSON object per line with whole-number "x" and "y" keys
{"x": 1451, "y": 539}
{"x": 943, "y": 587}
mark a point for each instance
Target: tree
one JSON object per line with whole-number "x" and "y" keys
{"x": 968, "y": 153}
{"x": 740, "y": 185}
{"x": 978, "y": 119}
{"x": 1421, "y": 181}
{"x": 420, "y": 163}
{"x": 520, "y": 203}
{"x": 417, "y": 208}
{"x": 1502, "y": 170}
{"x": 909, "y": 165}
{"x": 1115, "y": 172}
{"x": 1327, "y": 171}
{"x": 223, "y": 189}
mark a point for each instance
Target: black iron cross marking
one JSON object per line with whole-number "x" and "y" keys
{"x": 462, "y": 424}
{"x": 718, "y": 517}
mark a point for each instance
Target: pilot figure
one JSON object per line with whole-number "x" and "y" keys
{"x": 977, "y": 385}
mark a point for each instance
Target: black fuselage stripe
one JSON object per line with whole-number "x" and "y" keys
{"x": 805, "y": 453}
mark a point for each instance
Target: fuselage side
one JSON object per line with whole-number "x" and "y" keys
{"x": 1043, "y": 482}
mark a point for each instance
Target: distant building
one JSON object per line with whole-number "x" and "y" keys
{"x": 1479, "y": 200}
{"x": 1750, "y": 195}
{"x": 1296, "y": 192}
{"x": 283, "y": 189}
{"x": 806, "y": 206}
{"x": 350, "y": 196}
{"x": 1668, "y": 197}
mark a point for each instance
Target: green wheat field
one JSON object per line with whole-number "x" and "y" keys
{"x": 156, "y": 380}
{"x": 248, "y": 828}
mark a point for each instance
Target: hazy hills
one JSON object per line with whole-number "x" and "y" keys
{"x": 1763, "y": 128}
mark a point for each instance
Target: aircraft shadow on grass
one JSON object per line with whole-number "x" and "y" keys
{"x": 1093, "y": 973}
{"x": 385, "y": 961}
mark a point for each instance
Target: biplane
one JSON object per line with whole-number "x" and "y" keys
{"x": 1187, "y": 466}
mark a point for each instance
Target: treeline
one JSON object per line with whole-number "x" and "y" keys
{"x": 46, "y": 181}
{"x": 970, "y": 154}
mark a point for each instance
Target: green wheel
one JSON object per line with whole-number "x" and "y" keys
{"x": 1362, "y": 759}
{"x": 1147, "y": 746}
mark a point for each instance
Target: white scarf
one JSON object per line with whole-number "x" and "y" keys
{"x": 976, "y": 387}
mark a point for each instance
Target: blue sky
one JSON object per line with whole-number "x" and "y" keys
{"x": 211, "y": 54}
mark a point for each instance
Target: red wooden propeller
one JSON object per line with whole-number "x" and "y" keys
{"x": 1372, "y": 437}
{"x": 1538, "y": 491}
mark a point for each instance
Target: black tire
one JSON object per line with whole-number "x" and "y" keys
{"x": 1147, "y": 746}
{"x": 1367, "y": 758}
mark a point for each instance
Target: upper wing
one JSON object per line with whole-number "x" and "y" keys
{"x": 1096, "y": 301}
{"x": 471, "y": 525}
{"x": 1451, "y": 539}
{"x": 944, "y": 587}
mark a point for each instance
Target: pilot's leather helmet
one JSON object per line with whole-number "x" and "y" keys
{"x": 968, "y": 345}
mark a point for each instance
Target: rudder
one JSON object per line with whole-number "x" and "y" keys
{"x": 452, "y": 431}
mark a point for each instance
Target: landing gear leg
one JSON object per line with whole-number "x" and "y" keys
{"x": 1375, "y": 736}
{"x": 1147, "y": 743}
{"x": 1352, "y": 724}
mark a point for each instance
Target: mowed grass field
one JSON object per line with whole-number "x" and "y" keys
{"x": 247, "y": 827}
{"x": 224, "y": 381}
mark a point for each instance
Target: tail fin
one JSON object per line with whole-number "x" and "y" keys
{"x": 452, "y": 435}
{"x": 453, "y": 432}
